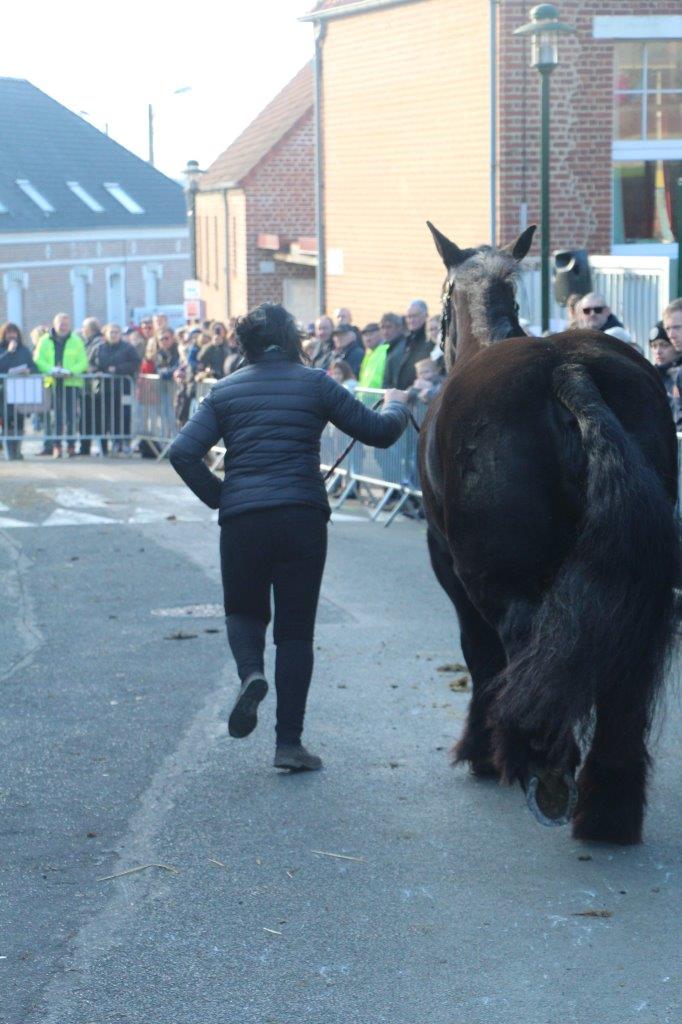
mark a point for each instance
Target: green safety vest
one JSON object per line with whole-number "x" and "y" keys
{"x": 75, "y": 359}
{"x": 373, "y": 367}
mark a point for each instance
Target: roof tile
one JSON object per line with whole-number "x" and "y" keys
{"x": 264, "y": 132}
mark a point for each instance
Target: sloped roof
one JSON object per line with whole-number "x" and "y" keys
{"x": 325, "y": 5}
{"x": 264, "y": 132}
{"x": 331, "y": 5}
{"x": 48, "y": 145}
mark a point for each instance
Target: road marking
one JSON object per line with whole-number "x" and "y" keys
{"x": 196, "y": 611}
{"x": 11, "y": 524}
{"x": 65, "y": 517}
{"x": 73, "y": 497}
{"x": 343, "y": 517}
{"x": 169, "y": 495}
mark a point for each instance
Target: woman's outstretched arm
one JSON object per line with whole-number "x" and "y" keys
{"x": 378, "y": 429}
{"x": 187, "y": 452}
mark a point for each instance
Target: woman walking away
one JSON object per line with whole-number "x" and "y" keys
{"x": 274, "y": 508}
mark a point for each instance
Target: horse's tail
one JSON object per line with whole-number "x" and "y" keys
{"x": 605, "y": 626}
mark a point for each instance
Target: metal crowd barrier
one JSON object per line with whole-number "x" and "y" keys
{"x": 142, "y": 409}
{"x": 155, "y": 420}
{"x": 392, "y": 470}
{"x": 58, "y": 411}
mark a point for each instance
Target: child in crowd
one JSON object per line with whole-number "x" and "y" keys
{"x": 341, "y": 372}
{"x": 428, "y": 382}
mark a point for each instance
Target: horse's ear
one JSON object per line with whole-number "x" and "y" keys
{"x": 519, "y": 248}
{"x": 450, "y": 253}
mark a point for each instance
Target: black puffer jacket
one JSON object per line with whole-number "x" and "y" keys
{"x": 20, "y": 357}
{"x": 121, "y": 355}
{"x": 271, "y": 415}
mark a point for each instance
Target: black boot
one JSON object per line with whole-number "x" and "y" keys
{"x": 296, "y": 758}
{"x": 244, "y": 715}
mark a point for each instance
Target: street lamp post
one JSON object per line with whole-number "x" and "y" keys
{"x": 192, "y": 173}
{"x": 544, "y": 29}
{"x": 150, "y": 121}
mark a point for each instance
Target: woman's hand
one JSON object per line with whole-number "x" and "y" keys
{"x": 393, "y": 395}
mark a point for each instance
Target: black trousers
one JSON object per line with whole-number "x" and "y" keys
{"x": 65, "y": 401}
{"x": 282, "y": 549}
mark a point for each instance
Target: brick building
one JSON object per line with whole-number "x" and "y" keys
{"x": 255, "y": 216}
{"x": 414, "y": 129}
{"x": 85, "y": 226}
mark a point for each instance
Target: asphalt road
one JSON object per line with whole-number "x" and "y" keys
{"x": 389, "y": 887}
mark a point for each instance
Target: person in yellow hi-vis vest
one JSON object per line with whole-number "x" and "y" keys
{"x": 61, "y": 357}
{"x": 373, "y": 366}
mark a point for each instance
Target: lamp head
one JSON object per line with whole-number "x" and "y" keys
{"x": 544, "y": 29}
{"x": 192, "y": 173}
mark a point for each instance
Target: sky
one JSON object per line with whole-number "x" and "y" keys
{"x": 108, "y": 63}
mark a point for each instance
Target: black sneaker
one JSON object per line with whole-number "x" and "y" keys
{"x": 296, "y": 758}
{"x": 244, "y": 715}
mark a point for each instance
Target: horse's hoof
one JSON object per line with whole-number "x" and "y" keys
{"x": 484, "y": 769}
{"x": 551, "y": 796}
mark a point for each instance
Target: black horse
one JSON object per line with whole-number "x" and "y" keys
{"x": 549, "y": 471}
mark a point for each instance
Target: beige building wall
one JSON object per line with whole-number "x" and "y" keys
{"x": 221, "y": 252}
{"x": 406, "y": 139}
{"x": 238, "y": 273}
{"x": 211, "y": 253}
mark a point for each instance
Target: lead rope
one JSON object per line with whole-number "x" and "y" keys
{"x": 346, "y": 451}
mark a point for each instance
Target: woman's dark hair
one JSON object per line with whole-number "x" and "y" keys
{"x": 6, "y": 328}
{"x": 269, "y": 325}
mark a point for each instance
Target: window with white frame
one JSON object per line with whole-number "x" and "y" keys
{"x": 85, "y": 197}
{"x": 81, "y": 279}
{"x": 116, "y": 295}
{"x": 151, "y": 275}
{"x": 15, "y": 283}
{"x": 647, "y": 148}
{"x": 122, "y": 197}
{"x": 35, "y": 196}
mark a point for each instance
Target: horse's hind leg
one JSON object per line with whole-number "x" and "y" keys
{"x": 485, "y": 659}
{"x": 542, "y": 758}
{"x": 612, "y": 783}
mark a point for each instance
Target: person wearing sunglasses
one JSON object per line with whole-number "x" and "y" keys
{"x": 595, "y": 315}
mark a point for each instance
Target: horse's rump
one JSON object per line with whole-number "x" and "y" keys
{"x": 562, "y": 505}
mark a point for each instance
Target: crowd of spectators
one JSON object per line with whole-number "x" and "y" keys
{"x": 382, "y": 354}
{"x": 396, "y": 351}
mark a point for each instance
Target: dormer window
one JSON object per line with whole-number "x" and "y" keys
{"x": 121, "y": 196}
{"x": 34, "y": 195}
{"x": 85, "y": 197}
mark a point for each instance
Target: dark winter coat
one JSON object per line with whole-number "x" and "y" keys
{"x": 270, "y": 416}
{"x": 353, "y": 355}
{"x": 402, "y": 356}
{"x": 122, "y": 356}
{"x": 325, "y": 356}
{"x": 612, "y": 321}
{"x": 10, "y": 360}
{"x": 212, "y": 358}
{"x": 167, "y": 361}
